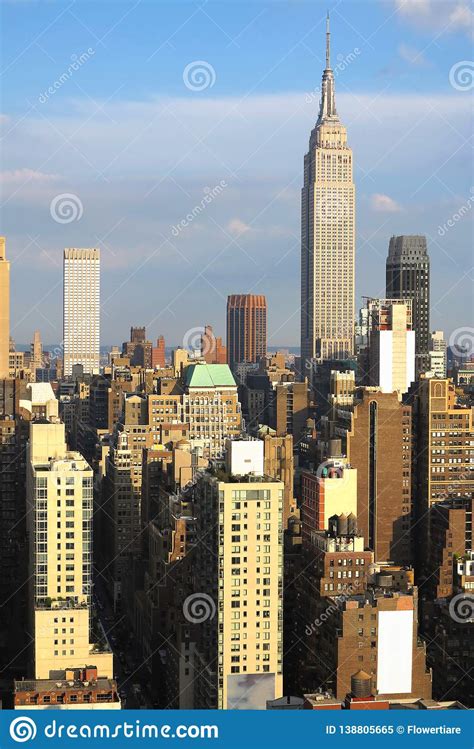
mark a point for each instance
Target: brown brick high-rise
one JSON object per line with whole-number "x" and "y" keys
{"x": 246, "y": 328}
{"x": 378, "y": 444}
{"x": 381, "y": 452}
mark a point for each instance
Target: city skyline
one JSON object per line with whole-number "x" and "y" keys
{"x": 248, "y": 229}
{"x": 195, "y": 513}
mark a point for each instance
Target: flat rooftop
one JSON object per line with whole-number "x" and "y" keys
{"x": 48, "y": 685}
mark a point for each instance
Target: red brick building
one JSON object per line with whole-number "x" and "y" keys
{"x": 158, "y": 359}
{"x": 246, "y": 328}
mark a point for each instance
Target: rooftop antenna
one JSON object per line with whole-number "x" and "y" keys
{"x": 328, "y": 42}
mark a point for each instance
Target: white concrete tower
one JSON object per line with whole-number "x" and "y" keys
{"x": 81, "y": 310}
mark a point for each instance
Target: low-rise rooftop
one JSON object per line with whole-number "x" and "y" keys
{"x": 209, "y": 376}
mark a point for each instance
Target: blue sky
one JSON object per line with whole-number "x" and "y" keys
{"x": 96, "y": 105}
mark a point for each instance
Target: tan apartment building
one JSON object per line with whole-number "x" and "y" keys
{"x": 445, "y": 461}
{"x": 59, "y": 523}
{"x": 443, "y": 452}
{"x": 239, "y": 647}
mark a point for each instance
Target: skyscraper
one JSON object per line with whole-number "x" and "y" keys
{"x": 81, "y": 323}
{"x": 239, "y": 530}
{"x": 246, "y": 328}
{"x": 408, "y": 277}
{"x": 327, "y": 234}
{"x": 59, "y": 520}
{"x": 4, "y": 311}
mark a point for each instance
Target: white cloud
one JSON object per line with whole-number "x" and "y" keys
{"x": 384, "y": 204}
{"x": 438, "y": 15}
{"x": 27, "y": 185}
{"x": 412, "y": 55}
{"x": 236, "y": 226}
{"x": 414, "y": 8}
{"x": 22, "y": 176}
{"x": 195, "y": 139}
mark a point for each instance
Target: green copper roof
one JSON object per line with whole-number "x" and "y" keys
{"x": 209, "y": 375}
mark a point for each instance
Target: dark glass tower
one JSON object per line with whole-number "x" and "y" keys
{"x": 408, "y": 277}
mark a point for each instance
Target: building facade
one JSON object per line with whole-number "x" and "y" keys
{"x": 246, "y": 328}
{"x": 438, "y": 355}
{"x": 327, "y": 234}
{"x": 74, "y": 689}
{"x": 240, "y": 566}
{"x": 36, "y": 353}
{"x": 375, "y": 430}
{"x": 443, "y": 452}
{"x": 81, "y": 321}
{"x": 377, "y": 632}
{"x": 331, "y": 490}
{"x": 59, "y": 524}
{"x": 211, "y": 407}
{"x": 445, "y": 433}
{"x": 158, "y": 355}
{"x": 408, "y": 277}
{"x": 391, "y": 345}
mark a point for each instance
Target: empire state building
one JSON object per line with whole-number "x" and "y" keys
{"x": 327, "y": 234}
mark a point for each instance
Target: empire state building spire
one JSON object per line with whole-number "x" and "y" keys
{"x": 328, "y": 44}
{"x": 327, "y": 109}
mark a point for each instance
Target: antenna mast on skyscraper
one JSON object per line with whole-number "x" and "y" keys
{"x": 328, "y": 43}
